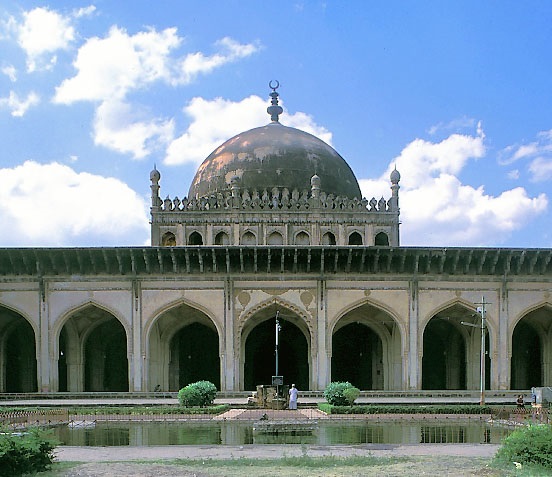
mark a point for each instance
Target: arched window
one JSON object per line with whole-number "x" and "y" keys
{"x": 328, "y": 239}
{"x": 222, "y": 238}
{"x": 302, "y": 238}
{"x": 195, "y": 238}
{"x": 381, "y": 239}
{"x": 248, "y": 238}
{"x": 275, "y": 238}
{"x": 168, "y": 240}
{"x": 355, "y": 239}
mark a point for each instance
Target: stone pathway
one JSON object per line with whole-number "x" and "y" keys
{"x": 270, "y": 414}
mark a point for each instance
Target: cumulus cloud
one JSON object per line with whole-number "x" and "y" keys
{"x": 10, "y": 72}
{"x": 443, "y": 211}
{"x": 537, "y": 154}
{"x": 117, "y": 126}
{"x": 110, "y": 69}
{"x": 198, "y": 63}
{"x": 53, "y": 205}
{"x": 17, "y": 106}
{"x": 41, "y": 33}
{"x": 215, "y": 121}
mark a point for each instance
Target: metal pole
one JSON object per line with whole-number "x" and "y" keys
{"x": 277, "y": 340}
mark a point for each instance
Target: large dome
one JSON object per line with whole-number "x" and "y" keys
{"x": 274, "y": 156}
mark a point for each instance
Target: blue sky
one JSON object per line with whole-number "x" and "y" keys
{"x": 456, "y": 95}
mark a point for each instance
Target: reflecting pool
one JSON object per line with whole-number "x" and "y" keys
{"x": 116, "y": 433}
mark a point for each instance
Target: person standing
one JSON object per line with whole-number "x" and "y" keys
{"x": 293, "y": 395}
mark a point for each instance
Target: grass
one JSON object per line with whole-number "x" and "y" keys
{"x": 303, "y": 466}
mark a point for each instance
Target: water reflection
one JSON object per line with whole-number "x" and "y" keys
{"x": 240, "y": 433}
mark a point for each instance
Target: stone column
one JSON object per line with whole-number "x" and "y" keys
{"x": 229, "y": 367}
{"x": 137, "y": 381}
{"x": 414, "y": 375}
{"x": 43, "y": 352}
{"x": 502, "y": 362}
{"x": 323, "y": 376}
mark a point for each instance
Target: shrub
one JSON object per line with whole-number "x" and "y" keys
{"x": 28, "y": 452}
{"x": 201, "y": 393}
{"x": 530, "y": 445}
{"x": 340, "y": 393}
{"x": 350, "y": 394}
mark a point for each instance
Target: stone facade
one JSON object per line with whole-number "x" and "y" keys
{"x": 273, "y": 242}
{"x": 61, "y": 307}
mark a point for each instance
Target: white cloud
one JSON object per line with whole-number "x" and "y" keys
{"x": 108, "y": 68}
{"x": 541, "y": 169}
{"x": 538, "y": 154}
{"x": 52, "y": 205}
{"x": 120, "y": 63}
{"x": 18, "y": 107}
{"x": 43, "y": 32}
{"x": 111, "y": 68}
{"x": 454, "y": 125}
{"x": 198, "y": 63}
{"x": 439, "y": 209}
{"x": 84, "y": 11}
{"x": 118, "y": 127}
{"x": 10, "y": 72}
{"x": 215, "y": 121}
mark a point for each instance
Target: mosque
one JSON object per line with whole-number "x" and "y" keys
{"x": 274, "y": 243}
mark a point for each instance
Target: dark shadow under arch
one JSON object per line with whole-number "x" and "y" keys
{"x": 19, "y": 353}
{"x": 260, "y": 360}
{"x": 194, "y": 356}
{"x": 526, "y": 367}
{"x": 106, "y": 362}
{"x": 356, "y": 355}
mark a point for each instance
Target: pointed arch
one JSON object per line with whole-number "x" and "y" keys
{"x": 255, "y": 343}
{"x": 530, "y": 345}
{"x": 91, "y": 343}
{"x": 183, "y": 345}
{"x": 18, "y": 352}
{"x": 451, "y": 350}
{"x": 372, "y": 334}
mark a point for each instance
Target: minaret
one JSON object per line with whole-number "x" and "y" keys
{"x": 154, "y": 178}
{"x": 395, "y": 178}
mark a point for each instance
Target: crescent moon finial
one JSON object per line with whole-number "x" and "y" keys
{"x": 274, "y": 109}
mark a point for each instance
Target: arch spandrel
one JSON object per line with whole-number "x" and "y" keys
{"x": 68, "y": 314}
{"x": 307, "y": 324}
{"x": 370, "y": 301}
{"x": 21, "y": 314}
{"x": 544, "y": 305}
{"x": 173, "y": 305}
{"x": 470, "y": 309}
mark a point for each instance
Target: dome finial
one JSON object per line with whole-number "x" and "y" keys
{"x": 274, "y": 109}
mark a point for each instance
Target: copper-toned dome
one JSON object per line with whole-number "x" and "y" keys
{"x": 275, "y": 156}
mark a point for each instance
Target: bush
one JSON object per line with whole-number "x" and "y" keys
{"x": 201, "y": 393}
{"x": 350, "y": 394}
{"x": 24, "y": 453}
{"x": 530, "y": 445}
{"x": 341, "y": 393}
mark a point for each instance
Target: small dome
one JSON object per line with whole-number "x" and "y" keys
{"x": 155, "y": 175}
{"x": 395, "y": 177}
{"x": 275, "y": 156}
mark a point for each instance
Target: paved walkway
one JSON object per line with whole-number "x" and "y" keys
{"x": 129, "y": 453}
